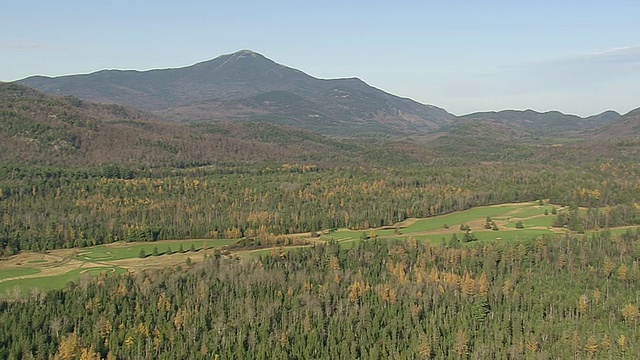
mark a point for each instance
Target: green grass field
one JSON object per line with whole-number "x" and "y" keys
{"x": 14, "y": 272}
{"x": 122, "y": 251}
{"x": 433, "y": 228}
{"x": 454, "y": 220}
{"x": 101, "y": 259}
{"x": 22, "y": 286}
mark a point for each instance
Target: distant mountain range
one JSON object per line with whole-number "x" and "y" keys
{"x": 246, "y": 86}
{"x": 547, "y": 123}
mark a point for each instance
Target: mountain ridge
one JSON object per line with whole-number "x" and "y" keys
{"x": 247, "y": 86}
{"x": 333, "y": 106}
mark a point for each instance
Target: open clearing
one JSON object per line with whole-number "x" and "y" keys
{"x": 26, "y": 271}
{"x": 434, "y": 229}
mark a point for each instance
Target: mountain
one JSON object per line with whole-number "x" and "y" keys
{"x": 47, "y": 129}
{"x": 626, "y": 126}
{"x": 551, "y": 123}
{"x": 247, "y": 86}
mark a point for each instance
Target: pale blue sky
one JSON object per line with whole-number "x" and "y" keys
{"x": 576, "y": 56}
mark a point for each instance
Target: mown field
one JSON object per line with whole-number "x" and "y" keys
{"x": 27, "y": 271}
{"x": 441, "y": 228}
{"x": 53, "y": 270}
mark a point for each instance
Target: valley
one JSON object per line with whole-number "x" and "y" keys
{"x": 241, "y": 208}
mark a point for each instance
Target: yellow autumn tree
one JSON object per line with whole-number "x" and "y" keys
{"x": 608, "y": 266}
{"x": 483, "y": 284}
{"x": 424, "y": 347}
{"x": 461, "y": 344}
{"x": 622, "y": 343}
{"x": 68, "y": 348}
{"x": 605, "y": 343}
{"x": 583, "y": 302}
{"x": 468, "y": 285}
{"x": 591, "y": 347}
{"x": 630, "y": 313}
{"x": 89, "y": 353}
{"x": 623, "y": 272}
{"x": 358, "y": 289}
{"x": 388, "y": 294}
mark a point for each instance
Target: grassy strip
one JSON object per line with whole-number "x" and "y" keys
{"x": 120, "y": 251}
{"x": 21, "y": 271}
{"x": 23, "y": 286}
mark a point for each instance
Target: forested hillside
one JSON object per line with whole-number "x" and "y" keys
{"x": 565, "y": 297}
{"x": 65, "y": 131}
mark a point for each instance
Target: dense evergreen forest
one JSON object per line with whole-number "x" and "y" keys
{"x": 46, "y": 208}
{"x": 555, "y": 297}
{"x": 572, "y": 296}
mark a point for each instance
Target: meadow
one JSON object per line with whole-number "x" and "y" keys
{"x": 27, "y": 271}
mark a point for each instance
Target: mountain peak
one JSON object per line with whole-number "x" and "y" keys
{"x": 246, "y": 52}
{"x": 245, "y": 85}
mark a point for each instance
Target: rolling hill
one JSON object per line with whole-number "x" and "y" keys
{"x": 626, "y": 126}
{"x": 247, "y": 86}
{"x": 551, "y": 123}
{"x": 46, "y": 129}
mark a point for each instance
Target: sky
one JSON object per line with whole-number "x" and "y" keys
{"x": 576, "y": 56}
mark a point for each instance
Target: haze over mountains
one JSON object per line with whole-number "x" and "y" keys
{"x": 246, "y": 86}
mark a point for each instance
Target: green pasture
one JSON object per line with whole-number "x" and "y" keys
{"x": 546, "y": 221}
{"x": 531, "y": 214}
{"x": 455, "y": 219}
{"x": 102, "y": 253}
{"x": 52, "y": 282}
{"x": 429, "y": 229}
{"x": 262, "y": 252}
{"x": 510, "y": 235}
{"x": 21, "y": 271}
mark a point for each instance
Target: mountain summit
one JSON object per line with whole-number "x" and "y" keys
{"x": 246, "y": 86}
